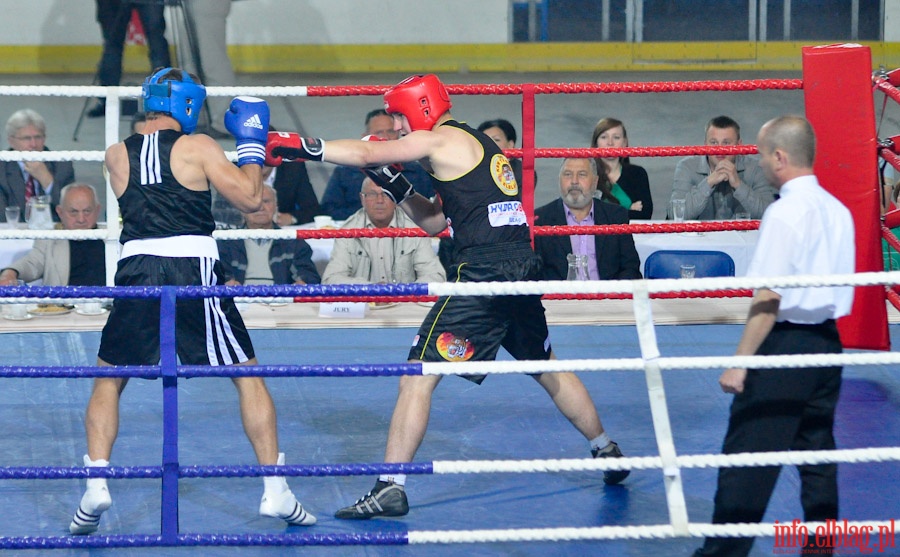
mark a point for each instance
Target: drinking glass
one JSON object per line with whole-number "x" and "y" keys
{"x": 12, "y": 215}
{"x": 688, "y": 271}
{"x": 678, "y": 210}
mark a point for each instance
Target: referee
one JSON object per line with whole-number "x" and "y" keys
{"x": 807, "y": 231}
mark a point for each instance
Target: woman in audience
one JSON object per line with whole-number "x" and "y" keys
{"x": 504, "y": 135}
{"x": 628, "y": 182}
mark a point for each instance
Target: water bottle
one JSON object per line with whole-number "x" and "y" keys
{"x": 577, "y": 267}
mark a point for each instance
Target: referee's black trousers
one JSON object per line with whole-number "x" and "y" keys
{"x": 780, "y": 410}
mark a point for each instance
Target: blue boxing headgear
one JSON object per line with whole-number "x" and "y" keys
{"x": 181, "y": 99}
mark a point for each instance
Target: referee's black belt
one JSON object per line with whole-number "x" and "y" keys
{"x": 827, "y": 325}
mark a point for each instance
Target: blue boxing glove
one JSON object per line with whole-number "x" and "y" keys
{"x": 247, "y": 120}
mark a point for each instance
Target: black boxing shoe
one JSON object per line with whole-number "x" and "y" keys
{"x": 611, "y": 477}
{"x": 385, "y": 499}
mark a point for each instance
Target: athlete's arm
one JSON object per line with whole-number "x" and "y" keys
{"x": 356, "y": 152}
{"x": 116, "y": 161}
{"x": 242, "y": 187}
{"x": 429, "y": 215}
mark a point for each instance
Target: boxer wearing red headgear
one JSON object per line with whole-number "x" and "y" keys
{"x": 421, "y": 98}
{"x": 481, "y": 203}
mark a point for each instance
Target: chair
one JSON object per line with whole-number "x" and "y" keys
{"x": 667, "y": 264}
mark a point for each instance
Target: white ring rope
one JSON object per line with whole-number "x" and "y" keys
{"x": 626, "y": 532}
{"x": 135, "y": 91}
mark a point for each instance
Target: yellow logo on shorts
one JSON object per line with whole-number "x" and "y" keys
{"x": 503, "y": 175}
{"x": 454, "y": 349}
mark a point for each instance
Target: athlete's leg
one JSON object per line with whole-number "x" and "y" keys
{"x": 410, "y": 418}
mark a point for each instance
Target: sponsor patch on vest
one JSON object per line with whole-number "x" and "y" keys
{"x": 503, "y": 175}
{"x": 506, "y": 213}
{"x": 454, "y": 349}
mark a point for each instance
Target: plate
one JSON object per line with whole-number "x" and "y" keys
{"x": 49, "y": 310}
{"x": 374, "y": 306}
{"x": 80, "y": 311}
{"x": 26, "y": 317}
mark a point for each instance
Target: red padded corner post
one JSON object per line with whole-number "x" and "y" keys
{"x": 837, "y": 87}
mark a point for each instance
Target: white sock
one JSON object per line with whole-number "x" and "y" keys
{"x": 399, "y": 479}
{"x": 275, "y": 485}
{"x": 601, "y": 441}
{"x": 95, "y": 483}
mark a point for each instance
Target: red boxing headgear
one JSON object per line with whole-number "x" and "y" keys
{"x": 421, "y": 98}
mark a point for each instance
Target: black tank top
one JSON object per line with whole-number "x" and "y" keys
{"x": 154, "y": 204}
{"x": 483, "y": 206}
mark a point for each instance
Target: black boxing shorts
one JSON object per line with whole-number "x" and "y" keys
{"x": 208, "y": 331}
{"x": 463, "y": 328}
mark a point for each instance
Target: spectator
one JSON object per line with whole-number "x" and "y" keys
{"x": 504, "y": 135}
{"x": 65, "y": 262}
{"x": 609, "y": 256}
{"x": 627, "y": 182}
{"x": 381, "y": 260}
{"x": 209, "y": 19}
{"x": 244, "y": 261}
{"x": 341, "y": 197}
{"x": 718, "y": 186}
{"x": 113, "y": 17}
{"x": 19, "y": 180}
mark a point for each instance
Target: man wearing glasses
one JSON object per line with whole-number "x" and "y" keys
{"x": 22, "y": 180}
{"x": 381, "y": 260}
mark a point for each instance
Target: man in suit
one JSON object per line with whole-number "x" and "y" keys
{"x": 20, "y": 180}
{"x": 609, "y": 256}
{"x": 65, "y": 262}
{"x": 279, "y": 261}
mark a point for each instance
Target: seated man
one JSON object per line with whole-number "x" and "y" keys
{"x": 609, "y": 256}
{"x": 716, "y": 187}
{"x": 381, "y": 260}
{"x": 20, "y": 180}
{"x": 341, "y": 197}
{"x": 65, "y": 262}
{"x": 248, "y": 261}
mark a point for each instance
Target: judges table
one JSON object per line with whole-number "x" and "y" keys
{"x": 306, "y": 315}
{"x": 737, "y": 244}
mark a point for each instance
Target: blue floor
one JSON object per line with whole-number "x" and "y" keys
{"x": 325, "y": 420}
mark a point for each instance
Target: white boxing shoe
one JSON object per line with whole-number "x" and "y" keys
{"x": 286, "y": 507}
{"x": 95, "y": 500}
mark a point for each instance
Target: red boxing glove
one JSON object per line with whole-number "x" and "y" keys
{"x": 290, "y": 146}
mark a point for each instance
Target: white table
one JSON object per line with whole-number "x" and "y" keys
{"x": 739, "y": 245}
{"x": 11, "y": 250}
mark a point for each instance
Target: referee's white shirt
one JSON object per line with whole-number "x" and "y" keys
{"x": 807, "y": 232}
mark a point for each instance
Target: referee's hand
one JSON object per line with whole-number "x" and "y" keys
{"x": 732, "y": 380}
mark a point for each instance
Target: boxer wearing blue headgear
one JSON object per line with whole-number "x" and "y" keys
{"x": 161, "y": 178}
{"x": 177, "y": 93}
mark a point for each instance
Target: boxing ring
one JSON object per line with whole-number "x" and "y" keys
{"x": 557, "y": 480}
